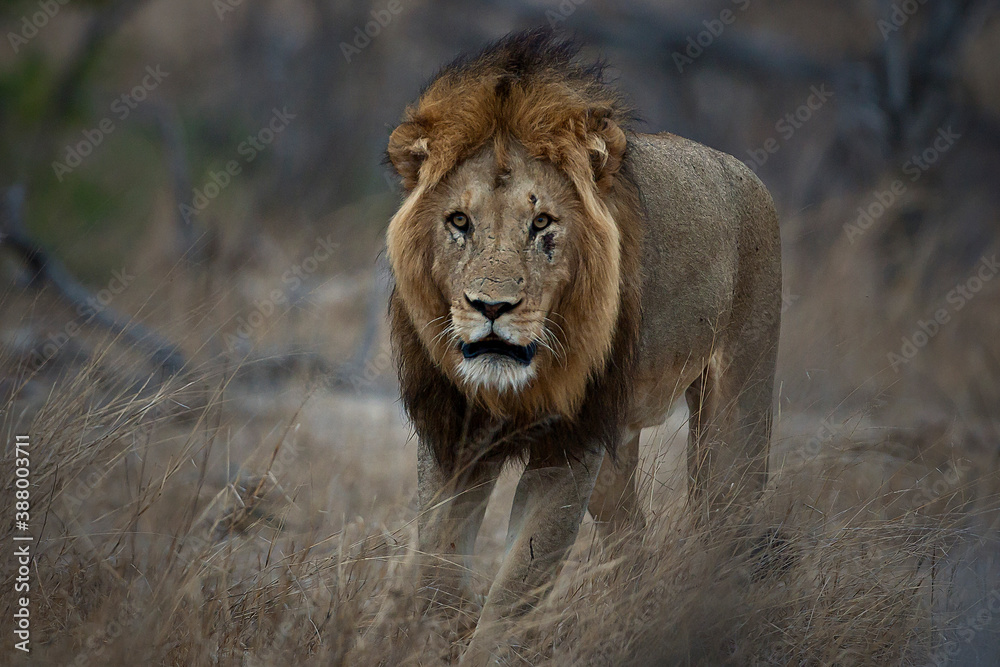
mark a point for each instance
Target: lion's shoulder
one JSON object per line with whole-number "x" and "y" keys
{"x": 705, "y": 171}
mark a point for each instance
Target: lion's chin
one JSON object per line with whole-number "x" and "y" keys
{"x": 495, "y": 373}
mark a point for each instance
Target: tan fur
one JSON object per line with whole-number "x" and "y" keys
{"x": 660, "y": 277}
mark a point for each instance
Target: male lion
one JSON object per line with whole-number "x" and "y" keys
{"x": 559, "y": 281}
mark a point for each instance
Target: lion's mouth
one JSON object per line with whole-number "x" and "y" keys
{"x": 523, "y": 354}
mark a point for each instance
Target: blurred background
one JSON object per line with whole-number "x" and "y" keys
{"x": 198, "y": 185}
{"x": 118, "y": 121}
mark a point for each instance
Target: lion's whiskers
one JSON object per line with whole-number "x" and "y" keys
{"x": 551, "y": 343}
{"x": 549, "y": 320}
{"x": 434, "y": 321}
{"x": 447, "y": 331}
{"x": 554, "y": 340}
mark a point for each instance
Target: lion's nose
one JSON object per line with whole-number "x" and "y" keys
{"x": 491, "y": 310}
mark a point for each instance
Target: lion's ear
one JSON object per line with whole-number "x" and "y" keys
{"x": 606, "y": 146}
{"x": 407, "y": 151}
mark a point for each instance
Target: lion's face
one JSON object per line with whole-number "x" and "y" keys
{"x": 506, "y": 251}
{"x": 501, "y": 234}
{"x": 509, "y": 274}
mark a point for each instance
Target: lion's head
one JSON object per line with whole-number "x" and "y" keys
{"x": 506, "y": 252}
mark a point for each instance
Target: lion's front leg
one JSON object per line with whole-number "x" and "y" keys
{"x": 452, "y": 505}
{"x": 549, "y": 505}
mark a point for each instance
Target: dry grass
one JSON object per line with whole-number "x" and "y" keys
{"x": 195, "y": 523}
{"x": 243, "y": 516}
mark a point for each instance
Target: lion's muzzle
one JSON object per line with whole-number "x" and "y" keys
{"x": 491, "y": 310}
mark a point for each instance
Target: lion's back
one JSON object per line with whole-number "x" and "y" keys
{"x": 710, "y": 226}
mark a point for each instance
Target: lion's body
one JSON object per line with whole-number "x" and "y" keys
{"x": 560, "y": 282}
{"x": 710, "y": 254}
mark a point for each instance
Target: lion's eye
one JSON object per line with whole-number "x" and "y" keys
{"x": 541, "y": 221}
{"x": 459, "y": 220}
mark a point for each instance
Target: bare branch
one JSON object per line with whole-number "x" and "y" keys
{"x": 46, "y": 270}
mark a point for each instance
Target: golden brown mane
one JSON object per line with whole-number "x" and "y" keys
{"x": 525, "y": 88}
